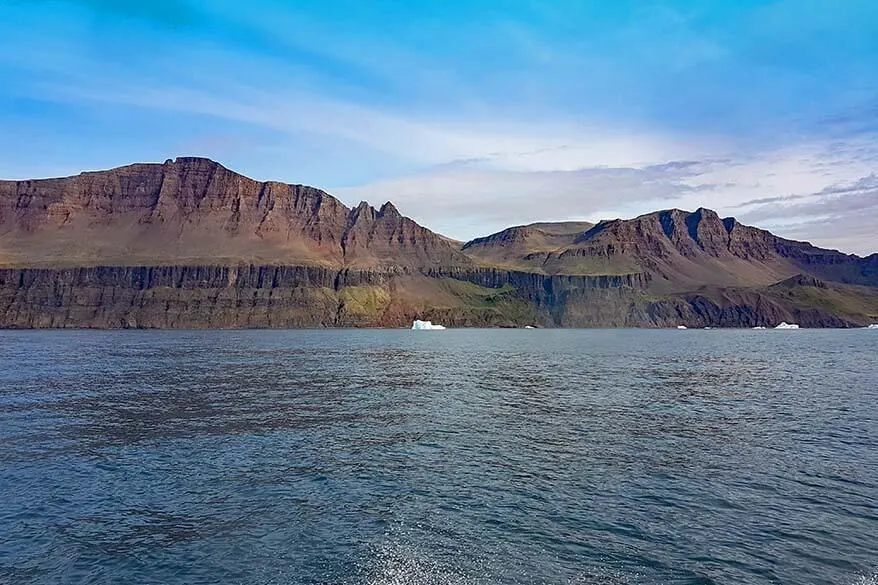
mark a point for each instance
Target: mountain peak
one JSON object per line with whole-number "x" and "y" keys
{"x": 363, "y": 212}
{"x": 388, "y": 209}
{"x": 181, "y": 160}
{"x": 705, "y": 212}
{"x": 194, "y": 162}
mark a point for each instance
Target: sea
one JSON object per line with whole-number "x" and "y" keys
{"x": 439, "y": 457}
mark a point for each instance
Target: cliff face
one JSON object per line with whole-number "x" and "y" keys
{"x": 247, "y": 296}
{"x": 284, "y": 296}
{"x": 189, "y": 243}
{"x": 312, "y": 296}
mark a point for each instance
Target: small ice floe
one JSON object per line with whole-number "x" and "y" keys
{"x": 529, "y": 327}
{"x": 425, "y": 326}
{"x": 873, "y": 326}
{"x": 785, "y": 325}
{"x": 759, "y": 327}
{"x": 682, "y": 327}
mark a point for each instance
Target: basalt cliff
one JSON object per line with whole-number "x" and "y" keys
{"x": 189, "y": 243}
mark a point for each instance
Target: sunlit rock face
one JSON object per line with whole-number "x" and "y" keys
{"x": 189, "y": 243}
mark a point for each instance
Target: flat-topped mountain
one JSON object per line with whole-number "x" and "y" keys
{"x": 195, "y": 211}
{"x": 189, "y": 243}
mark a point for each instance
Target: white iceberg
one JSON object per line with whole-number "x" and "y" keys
{"x": 681, "y": 327}
{"x": 528, "y": 327}
{"x": 785, "y": 325}
{"x": 419, "y": 325}
{"x": 759, "y": 327}
{"x": 872, "y": 326}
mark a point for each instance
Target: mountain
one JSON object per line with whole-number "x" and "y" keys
{"x": 195, "y": 211}
{"x": 190, "y": 243}
{"x": 678, "y": 249}
{"x": 524, "y": 246}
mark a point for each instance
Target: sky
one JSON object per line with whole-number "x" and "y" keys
{"x": 470, "y": 115}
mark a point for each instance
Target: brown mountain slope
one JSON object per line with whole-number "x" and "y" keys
{"x": 682, "y": 250}
{"x": 195, "y": 211}
{"x": 525, "y": 246}
{"x": 189, "y": 243}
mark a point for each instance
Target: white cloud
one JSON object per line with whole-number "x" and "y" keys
{"x": 470, "y": 195}
{"x": 842, "y": 216}
{"x": 489, "y": 194}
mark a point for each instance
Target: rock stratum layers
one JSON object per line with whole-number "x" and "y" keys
{"x": 189, "y": 243}
{"x": 195, "y": 211}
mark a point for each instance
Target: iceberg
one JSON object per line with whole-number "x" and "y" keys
{"x": 419, "y": 325}
{"x": 785, "y": 325}
{"x": 528, "y": 327}
{"x": 759, "y": 327}
{"x": 681, "y": 327}
{"x": 872, "y": 326}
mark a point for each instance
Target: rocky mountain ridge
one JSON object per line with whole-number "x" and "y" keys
{"x": 195, "y": 210}
{"x": 189, "y": 243}
{"x": 681, "y": 250}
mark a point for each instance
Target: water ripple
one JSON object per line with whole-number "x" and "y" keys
{"x": 470, "y": 457}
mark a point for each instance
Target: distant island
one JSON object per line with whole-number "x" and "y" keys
{"x": 189, "y": 243}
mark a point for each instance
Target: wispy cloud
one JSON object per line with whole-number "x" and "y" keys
{"x": 840, "y": 215}
{"x": 484, "y": 193}
{"x": 454, "y": 199}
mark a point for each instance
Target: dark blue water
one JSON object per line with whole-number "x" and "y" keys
{"x": 462, "y": 457}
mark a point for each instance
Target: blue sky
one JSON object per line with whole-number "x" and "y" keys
{"x": 470, "y": 115}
